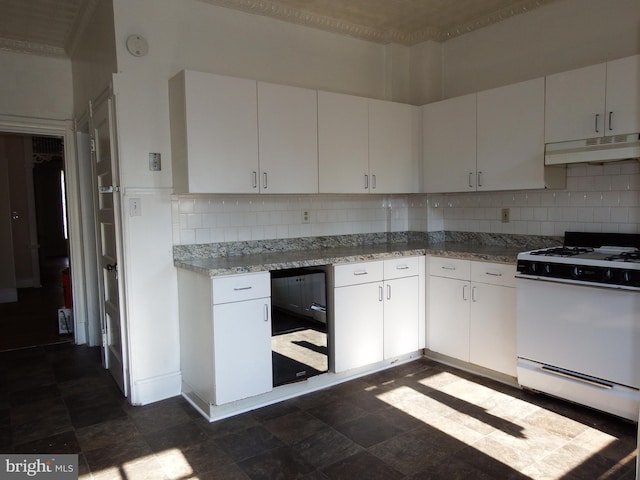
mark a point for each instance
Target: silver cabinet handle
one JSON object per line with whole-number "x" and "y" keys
{"x": 388, "y": 292}
{"x": 255, "y": 179}
{"x": 264, "y": 179}
{"x": 479, "y": 179}
{"x": 493, "y": 274}
{"x": 360, "y": 272}
{"x": 447, "y": 268}
{"x": 266, "y": 312}
{"x": 473, "y": 294}
{"x": 464, "y": 293}
{"x": 366, "y": 181}
{"x": 237, "y": 289}
{"x": 597, "y": 127}
{"x": 610, "y": 121}
{"x": 470, "y": 176}
{"x": 373, "y": 182}
{"x": 402, "y": 267}
{"x": 380, "y": 293}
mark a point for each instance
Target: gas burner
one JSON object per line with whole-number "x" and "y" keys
{"x": 562, "y": 251}
{"x": 632, "y": 257}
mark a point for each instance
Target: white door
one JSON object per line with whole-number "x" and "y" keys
{"x": 107, "y": 206}
{"x": 358, "y": 327}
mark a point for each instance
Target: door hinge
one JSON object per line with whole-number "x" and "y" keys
{"x": 93, "y": 145}
{"x": 109, "y": 189}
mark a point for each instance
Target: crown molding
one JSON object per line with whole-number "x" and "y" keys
{"x": 20, "y": 46}
{"x": 495, "y": 17}
{"x": 303, "y": 17}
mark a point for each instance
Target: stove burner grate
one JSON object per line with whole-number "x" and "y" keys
{"x": 562, "y": 251}
{"x": 631, "y": 257}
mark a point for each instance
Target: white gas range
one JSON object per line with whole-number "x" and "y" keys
{"x": 578, "y": 321}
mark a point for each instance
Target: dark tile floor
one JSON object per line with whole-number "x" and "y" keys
{"x": 418, "y": 420}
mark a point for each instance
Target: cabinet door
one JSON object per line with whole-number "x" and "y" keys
{"x": 492, "y": 336}
{"x": 511, "y": 137}
{"x": 448, "y": 324}
{"x": 358, "y": 326}
{"x": 242, "y": 350}
{"x": 288, "y": 139}
{"x": 343, "y": 143}
{"x": 401, "y": 316}
{"x": 449, "y": 145}
{"x": 221, "y": 133}
{"x": 623, "y": 96}
{"x": 575, "y": 104}
{"x": 394, "y": 147}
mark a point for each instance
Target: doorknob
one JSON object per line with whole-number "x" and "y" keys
{"x": 112, "y": 267}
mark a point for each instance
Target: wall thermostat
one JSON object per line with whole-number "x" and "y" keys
{"x": 137, "y": 45}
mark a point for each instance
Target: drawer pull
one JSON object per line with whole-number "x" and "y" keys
{"x": 360, "y": 272}
{"x": 493, "y": 274}
{"x": 237, "y": 289}
{"x": 447, "y": 268}
{"x": 402, "y": 267}
{"x": 266, "y": 312}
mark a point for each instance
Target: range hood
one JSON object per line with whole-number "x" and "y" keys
{"x": 602, "y": 149}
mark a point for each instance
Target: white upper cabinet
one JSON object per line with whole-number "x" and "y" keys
{"x": 367, "y": 145}
{"x": 492, "y": 140}
{"x": 510, "y": 149}
{"x": 594, "y": 101}
{"x": 232, "y": 135}
{"x": 214, "y": 133}
{"x": 449, "y": 145}
{"x": 343, "y": 143}
{"x": 287, "y": 139}
{"x": 394, "y": 147}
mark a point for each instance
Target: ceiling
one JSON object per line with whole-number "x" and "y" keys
{"x": 48, "y": 26}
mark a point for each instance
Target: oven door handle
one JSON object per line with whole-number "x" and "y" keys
{"x": 560, "y": 373}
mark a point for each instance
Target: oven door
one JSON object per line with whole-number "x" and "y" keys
{"x": 581, "y": 343}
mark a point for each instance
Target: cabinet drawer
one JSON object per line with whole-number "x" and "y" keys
{"x": 356, "y": 273}
{"x": 450, "y": 268}
{"x": 493, "y": 273}
{"x": 236, "y": 288}
{"x": 401, "y": 267}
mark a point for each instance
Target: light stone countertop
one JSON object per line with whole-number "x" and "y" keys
{"x": 261, "y": 262}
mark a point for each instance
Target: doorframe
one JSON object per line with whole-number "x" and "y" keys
{"x": 65, "y": 129}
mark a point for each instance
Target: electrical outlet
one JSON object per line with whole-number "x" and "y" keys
{"x": 305, "y": 217}
{"x": 505, "y": 215}
{"x": 135, "y": 207}
{"x": 155, "y": 164}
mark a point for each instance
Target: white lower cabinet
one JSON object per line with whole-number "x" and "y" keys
{"x": 472, "y": 312}
{"x": 376, "y": 311}
{"x": 225, "y": 336}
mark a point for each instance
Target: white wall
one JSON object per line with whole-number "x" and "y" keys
{"x": 35, "y": 86}
{"x": 559, "y": 36}
{"x": 194, "y": 35}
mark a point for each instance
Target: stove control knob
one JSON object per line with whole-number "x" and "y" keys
{"x": 547, "y": 268}
{"x": 626, "y": 276}
{"x": 608, "y": 275}
{"x": 576, "y": 272}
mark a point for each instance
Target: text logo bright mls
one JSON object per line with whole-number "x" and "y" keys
{"x": 54, "y": 467}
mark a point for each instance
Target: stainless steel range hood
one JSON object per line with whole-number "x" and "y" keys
{"x": 603, "y": 149}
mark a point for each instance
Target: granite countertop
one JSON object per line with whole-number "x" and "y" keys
{"x": 278, "y": 260}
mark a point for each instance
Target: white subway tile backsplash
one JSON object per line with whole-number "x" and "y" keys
{"x": 597, "y": 198}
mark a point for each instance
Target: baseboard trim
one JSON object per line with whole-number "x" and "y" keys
{"x": 150, "y": 390}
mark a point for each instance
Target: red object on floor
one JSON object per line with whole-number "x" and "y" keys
{"x": 66, "y": 287}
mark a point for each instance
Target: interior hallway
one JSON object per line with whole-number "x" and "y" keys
{"x": 33, "y": 319}
{"x": 418, "y": 420}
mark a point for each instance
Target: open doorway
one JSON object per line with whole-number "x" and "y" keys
{"x": 38, "y": 251}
